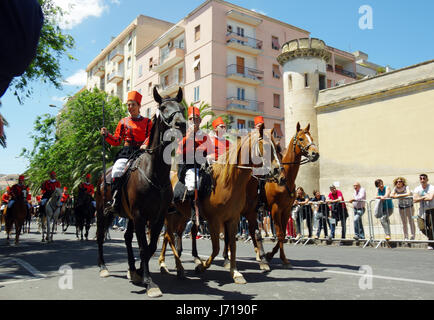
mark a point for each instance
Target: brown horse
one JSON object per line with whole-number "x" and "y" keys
{"x": 146, "y": 195}
{"x": 16, "y": 214}
{"x": 280, "y": 198}
{"x": 223, "y": 206}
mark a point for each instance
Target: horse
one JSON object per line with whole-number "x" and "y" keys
{"x": 51, "y": 215}
{"x": 146, "y": 194}
{"x": 67, "y": 214}
{"x": 84, "y": 211}
{"x": 28, "y": 219}
{"x": 223, "y": 206}
{"x": 280, "y": 198}
{"x": 16, "y": 214}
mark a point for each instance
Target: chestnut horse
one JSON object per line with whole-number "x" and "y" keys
{"x": 16, "y": 214}
{"x": 280, "y": 198}
{"x": 223, "y": 206}
{"x": 146, "y": 195}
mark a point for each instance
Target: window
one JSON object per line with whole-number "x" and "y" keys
{"x": 165, "y": 81}
{"x": 276, "y": 100}
{"x": 241, "y": 124}
{"x": 240, "y": 32}
{"x": 275, "y": 43}
{"x": 196, "y": 94}
{"x": 196, "y": 63}
{"x": 197, "y": 33}
{"x": 322, "y": 82}
{"x": 289, "y": 82}
{"x": 140, "y": 71}
{"x": 181, "y": 75}
{"x": 306, "y": 80}
{"x": 329, "y": 83}
{"x": 149, "y": 88}
{"x": 241, "y": 93}
{"x": 151, "y": 64}
{"x": 128, "y": 85}
{"x": 276, "y": 71}
{"x": 277, "y": 131}
{"x": 129, "y": 62}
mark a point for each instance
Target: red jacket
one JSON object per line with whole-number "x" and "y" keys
{"x": 17, "y": 190}
{"x": 64, "y": 198}
{"x": 202, "y": 145}
{"x": 88, "y": 187}
{"x": 220, "y": 147}
{"x": 49, "y": 185}
{"x": 5, "y": 197}
{"x": 133, "y": 131}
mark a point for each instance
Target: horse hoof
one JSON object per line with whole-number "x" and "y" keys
{"x": 199, "y": 268}
{"x": 238, "y": 278}
{"x": 104, "y": 273}
{"x": 264, "y": 266}
{"x": 154, "y": 293}
{"x": 136, "y": 278}
{"x": 227, "y": 264}
{"x": 163, "y": 269}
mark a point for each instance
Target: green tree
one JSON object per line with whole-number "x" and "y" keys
{"x": 70, "y": 143}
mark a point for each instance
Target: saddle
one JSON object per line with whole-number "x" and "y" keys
{"x": 206, "y": 185}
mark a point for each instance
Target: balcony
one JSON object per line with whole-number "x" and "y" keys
{"x": 117, "y": 55}
{"x": 246, "y": 44}
{"x": 115, "y": 76}
{"x": 346, "y": 73}
{"x": 239, "y": 16}
{"x": 170, "y": 88}
{"x": 169, "y": 59}
{"x": 100, "y": 71}
{"x": 244, "y": 74}
{"x": 244, "y": 106}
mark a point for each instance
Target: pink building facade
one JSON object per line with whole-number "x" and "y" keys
{"x": 225, "y": 55}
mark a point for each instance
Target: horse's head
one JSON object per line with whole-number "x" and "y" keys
{"x": 171, "y": 111}
{"x": 303, "y": 143}
{"x": 263, "y": 155}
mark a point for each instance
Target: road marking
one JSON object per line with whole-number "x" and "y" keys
{"x": 37, "y": 275}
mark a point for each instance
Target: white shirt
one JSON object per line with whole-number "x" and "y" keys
{"x": 424, "y": 205}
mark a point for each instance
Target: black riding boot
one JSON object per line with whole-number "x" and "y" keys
{"x": 115, "y": 204}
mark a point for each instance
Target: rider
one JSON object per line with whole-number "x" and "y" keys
{"x": 221, "y": 145}
{"x": 88, "y": 187}
{"x": 17, "y": 189}
{"x": 48, "y": 188}
{"x": 5, "y": 199}
{"x": 259, "y": 123}
{"x": 134, "y": 131}
{"x": 65, "y": 196}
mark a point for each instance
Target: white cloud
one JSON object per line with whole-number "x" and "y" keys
{"x": 77, "y": 79}
{"x": 79, "y": 10}
{"x": 259, "y": 11}
{"x": 118, "y": 2}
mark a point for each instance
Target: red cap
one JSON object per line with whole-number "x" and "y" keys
{"x": 8, "y": 188}
{"x": 192, "y": 109}
{"x": 21, "y": 177}
{"x": 65, "y": 189}
{"x": 88, "y": 176}
{"x": 135, "y": 96}
{"x": 52, "y": 172}
{"x": 259, "y": 119}
{"x": 217, "y": 122}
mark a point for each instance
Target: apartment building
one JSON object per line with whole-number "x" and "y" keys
{"x": 219, "y": 53}
{"x": 113, "y": 70}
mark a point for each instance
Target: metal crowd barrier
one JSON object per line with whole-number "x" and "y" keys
{"x": 400, "y": 224}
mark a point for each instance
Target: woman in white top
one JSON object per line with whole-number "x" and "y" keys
{"x": 402, "y": 192}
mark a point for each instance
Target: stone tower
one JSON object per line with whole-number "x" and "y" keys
{"x": 304, "y": 64}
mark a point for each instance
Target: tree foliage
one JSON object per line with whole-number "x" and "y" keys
{"x": 70, "y": 143}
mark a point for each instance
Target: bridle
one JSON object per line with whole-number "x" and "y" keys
{"x": 304, "y": 151}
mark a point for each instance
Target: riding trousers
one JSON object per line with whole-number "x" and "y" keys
{"x": 11, "y": 202}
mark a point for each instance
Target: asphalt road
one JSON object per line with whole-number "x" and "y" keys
{"x": 66, "y": 270}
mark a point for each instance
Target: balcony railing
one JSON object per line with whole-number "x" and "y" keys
{"x": 168, "y": 58}
{"x": 346, "y": 73}
{"x": 232, "y": 37}
{"x": 244, "y": 72}
{"x": 248, "y": 105}
{"x": 116, "y": 76}
{"x": 116, "y": 55}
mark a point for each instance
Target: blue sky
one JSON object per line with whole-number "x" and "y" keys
{"x": 402, "y": 35}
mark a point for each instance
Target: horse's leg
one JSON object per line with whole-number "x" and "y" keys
{"x": 231, "y": 232}
{"x": 197, "y": 260}
{"x": 227, "y": 262}
{"x": 102, "y": 224}
{"x": 256, "y": 236}
{"x": 88, "y": 221}
{"x": 152, "y": 289}
{"x": 214, "y": 228}
{"x": 128, "y": 237}
{"x": 162, "y": 258}
{"x": 18, "y": 227}
{"x": 277, "y": 217}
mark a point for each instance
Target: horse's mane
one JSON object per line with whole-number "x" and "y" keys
{"x": 151, "y": 135}
{"x": 231, "y": 156}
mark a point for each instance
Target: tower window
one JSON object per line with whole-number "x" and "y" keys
{"x": 306, "y": 80}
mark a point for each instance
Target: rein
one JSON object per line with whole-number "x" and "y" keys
{"x": 304, "y": 152}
